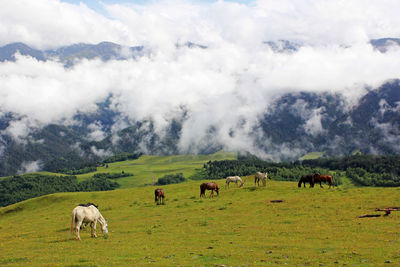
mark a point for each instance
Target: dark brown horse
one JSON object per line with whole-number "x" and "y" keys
{"x": 159, "y": 196}
{"x": 309, "y": 178}
{"x": 323, "y": 178}
{"x": 208, "y": 186}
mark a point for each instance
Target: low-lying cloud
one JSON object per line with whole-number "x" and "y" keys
{"x": 226, "y": 86}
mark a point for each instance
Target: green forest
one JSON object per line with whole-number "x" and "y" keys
{"x": 363, "y": 170}
{"x": 18, "y": 188}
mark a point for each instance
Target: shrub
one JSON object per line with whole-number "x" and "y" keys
{"x": 171, "y": 179}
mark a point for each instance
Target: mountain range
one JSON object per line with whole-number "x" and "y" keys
{"x": 295, "y": 124}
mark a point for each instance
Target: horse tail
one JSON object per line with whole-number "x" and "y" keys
{"x": 73, "y": 221}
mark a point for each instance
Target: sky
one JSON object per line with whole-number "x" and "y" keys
{"x": 98, "y": 6}
{"x": 228, "y": 85}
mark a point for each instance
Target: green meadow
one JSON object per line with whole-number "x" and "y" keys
{"x": 312, "y": 155}
{"x": 240, "y": 227}
{"x": 144, "y": 167}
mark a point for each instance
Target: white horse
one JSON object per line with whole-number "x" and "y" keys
{"x": 89, "y": 214}
{"x": 234, "y": 179}
{"x": 261, "y": 176}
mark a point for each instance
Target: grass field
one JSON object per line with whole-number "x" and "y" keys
{"x": 312, "y": 155}
{"x": 315, "y": 227}
{"x": 144, "y": 167}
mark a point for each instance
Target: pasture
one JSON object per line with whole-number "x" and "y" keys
{"x": 315, "y": 227}
{"x": 144, "y": 167}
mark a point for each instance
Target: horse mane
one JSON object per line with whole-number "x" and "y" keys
{"x": 88, "y": 205}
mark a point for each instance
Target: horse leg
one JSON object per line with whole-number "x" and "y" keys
{"x": 77, "y": 228}
{"x": 93, "y": 226}
{"x": 212, "y": 193}
{"x": 320, "y": 184}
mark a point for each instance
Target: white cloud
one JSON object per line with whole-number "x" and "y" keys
{"x": 96, "y": 132}
{"x": 100, "y": 152}
{"x": 313, "y": 125}
{"x": 228, "y": 85}
{"x": 30, "y": 166}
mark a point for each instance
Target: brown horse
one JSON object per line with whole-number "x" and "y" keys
{"x": 159, "y": 196}
{"x": 309, "y": 178}
{"x": 323, "y": 178}
{"x": 208, "y": 186}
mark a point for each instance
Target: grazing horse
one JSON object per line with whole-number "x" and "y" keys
{"x": 90, "y": 214}
{"x": 323, "y": 178}
{"x": 159, "y": 196}
{"x": 208, "y": 186}
{"x": 261, "y": 176}
{"x": 83, "y": 225}
{"x": 234, "y": 179}
{"x": 309, "y": 178}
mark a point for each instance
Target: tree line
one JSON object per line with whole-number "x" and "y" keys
{"x": 18, "y": 188}
{"x": 284, "y": 171}
{"x": 365, "y": 170}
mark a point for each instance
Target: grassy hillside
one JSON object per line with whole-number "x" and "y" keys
{"x": 143, "y": 167}
{"x": 312, "y": 155}
{"x": 311, "y": 227}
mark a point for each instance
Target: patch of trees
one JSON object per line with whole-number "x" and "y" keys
{"x": 122, "y": 157}
{"x": 69, "y": 161}
{"x": 370, "y": 163}
{"x": 362, "y": 177}
{"x": 18, "y": 188}
{"x": 171, "y": 179}
{"x": 74, "y": 171}
{"x": 366, "y": 170}
{"x": 284, "y": 171}
{"x": 114, "y": 175}
{"x": 223, "y": 168}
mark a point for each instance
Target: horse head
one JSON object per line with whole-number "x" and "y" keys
{"x": 301, "y": 180}
{"x": 104, "y": 227}
{"x": 217, "y": 189}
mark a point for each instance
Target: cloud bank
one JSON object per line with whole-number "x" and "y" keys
{"x": 225, "y": 87}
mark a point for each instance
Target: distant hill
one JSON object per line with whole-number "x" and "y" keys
{"x": 292, "y": 126}
{"x": 7, "y": 52}
{"x": 372, "y": 126}
{"x": 68, "y": 54}
{"x": 385, "y": 43}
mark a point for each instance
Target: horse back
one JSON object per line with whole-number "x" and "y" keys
{"x": 90, "y": 213}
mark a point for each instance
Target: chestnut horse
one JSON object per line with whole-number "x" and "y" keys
{"x": 208, "y": 186}
{"x": 309, "y": 178}
{"x": 323, "y": 178}
{"x": 159, "y": 196}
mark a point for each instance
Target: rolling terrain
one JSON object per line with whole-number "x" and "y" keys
{"x": 239, "y": 227}
{"x": 144, "y": 167}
